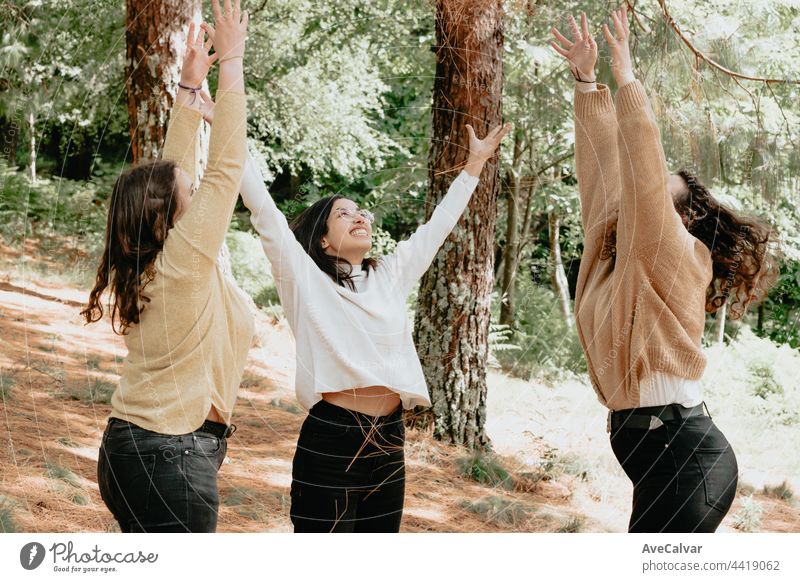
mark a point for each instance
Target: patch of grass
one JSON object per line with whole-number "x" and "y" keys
{"x": 7, "y": 382}
{"x": 783, "y": 491}
{"x": 748, "y": 518}
{"x": 119, "y": 359}
{"x": 250, "y": 380}
{"x": 234, "y": 496}
{"x": 573, "y": 525}
{"x": 743, "y": 488}
{"x": 93, "y": 390}
{"x": 499, "y": 510}
{"x": 68, "y": 442}
{"x": 485, "y": 469}
{"x": 764, "y": 383}
{"x": 7, "y": 524}
{"x": 287, "y": 406}
{"x": 93, "y": 363}
{"x": 60, "y": 473}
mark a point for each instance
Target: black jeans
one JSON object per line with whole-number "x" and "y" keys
{"x": 684, "y": 475}
{"x": 153, "y": 482}
{"x": 348, "y": 473}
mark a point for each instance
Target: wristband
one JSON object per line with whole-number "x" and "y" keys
{"x": 192, "y": 90}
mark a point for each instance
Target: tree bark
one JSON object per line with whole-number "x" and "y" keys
{"x": 452, "y": 320}
{"x": 155, "y": 36}
{"x": 32, "y": 152}
{"x": 511, "y": 249}
{"x": 722, "y": 314}
{"x": 558, "y": 275}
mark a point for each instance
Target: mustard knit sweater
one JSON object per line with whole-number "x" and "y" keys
{"x": 189, "y": 349}
{"x": 644, "y": 311}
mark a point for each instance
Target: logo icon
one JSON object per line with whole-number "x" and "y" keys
{"x": 31, "y": 555}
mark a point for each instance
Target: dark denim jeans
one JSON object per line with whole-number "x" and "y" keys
{"x": 153, "y": 482}
{"x": 348, "y": 473}
{"x": 684, "y": 475}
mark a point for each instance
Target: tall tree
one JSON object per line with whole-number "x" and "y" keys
{"x": 155, "y": 42}
{"x": 452, "y": 319}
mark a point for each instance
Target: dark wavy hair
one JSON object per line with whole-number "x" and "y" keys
{"x": 140, "y": 213}
{"x": 309, "y": 227}
{"x": 744, "y": 267}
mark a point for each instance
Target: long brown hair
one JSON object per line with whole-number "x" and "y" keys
{"x": 744, "y": 266}
{"x": 309, "y": 227}
{"x": 140, "y": 213}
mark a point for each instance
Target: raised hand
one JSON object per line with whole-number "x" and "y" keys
{"x": 621, "y": 65}
{"x": 580, "y": 52}
{"x": 196, "y": 61}
{"x": 230, "y": 32}
{"x": 481, "y": 150}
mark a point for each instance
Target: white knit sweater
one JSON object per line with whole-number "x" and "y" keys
{"x": 352, "y": 339}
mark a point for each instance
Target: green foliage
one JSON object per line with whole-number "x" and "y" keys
{"x": 549, "y": 347}
{"x": 763, "y": 383}
{"x": 783, "y": 491}
{"x": 499, "y": 510}
{"x": 55, "y": 471}
{"x": 91, "y": 390}
{"x": 251, "y": 267}
{"x": 7, "y": 524}
{"x": 7, "y": 382}
{"x": 485, "y": 469}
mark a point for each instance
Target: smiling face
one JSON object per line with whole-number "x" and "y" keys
{"x": 349, "y": 232}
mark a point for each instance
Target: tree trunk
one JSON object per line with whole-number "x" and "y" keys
{"x": 558, "y": 275}
{"x": 722, "y": 314}
{"x": 32, "y": 131}
{"x": 452, "y": 320}
{"x": 155, "y": 36}
{"x": 511, "y": 249}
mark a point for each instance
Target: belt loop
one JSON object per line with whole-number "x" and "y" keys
{"x": 708, "y": 412}
{"x": 230, "y": 430}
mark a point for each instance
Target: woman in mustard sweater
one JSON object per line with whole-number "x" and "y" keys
{"x": 186, "y": 326}
{"x": 659, "y": 253}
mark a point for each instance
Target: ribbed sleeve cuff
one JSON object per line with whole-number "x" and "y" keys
{"x": 631, "y": 97}
{"x": 593, "y": 103}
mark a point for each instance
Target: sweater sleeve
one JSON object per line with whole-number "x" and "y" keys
{"x": 647, "y": 212}
{"x": 412, "y": 257}
{"x": 285, "y": 253}
{"x": 596, "y": 162}
{"x": 180, "y": 145}
{"x": 196, "y": 238}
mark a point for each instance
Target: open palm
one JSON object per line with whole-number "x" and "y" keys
{"x": 581, "y": 51}
{"x": 483, "y": 149}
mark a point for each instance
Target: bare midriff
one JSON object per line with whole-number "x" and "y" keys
{"x": 372, "y": 400}
{"x": 214, "y": 416}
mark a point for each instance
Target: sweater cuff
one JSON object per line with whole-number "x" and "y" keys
{"x": 593, "y": 103}
{"x": 631, "y": 97}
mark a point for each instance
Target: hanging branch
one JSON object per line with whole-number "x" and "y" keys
{"x": 700, "y": 55}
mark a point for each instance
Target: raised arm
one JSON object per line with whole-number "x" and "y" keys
{"x": 647, "y": 213}
{"x": 596, "y": 157}
{"x": 412, "y": 257}
{"x": 199, "y": 233}
{"x": 286, "y": 255}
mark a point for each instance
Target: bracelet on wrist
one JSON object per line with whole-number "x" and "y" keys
{"x": 578, "y": 78}
{"x": 192, "y": 90}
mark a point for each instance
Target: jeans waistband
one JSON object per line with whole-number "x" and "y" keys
{"x": 345, "y": 416}
{"x": 218, "y": 429}
{"x": 651, "y": 417}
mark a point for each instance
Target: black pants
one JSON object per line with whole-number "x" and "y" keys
{"x": 153, "y": 482}
{"x": 348, "y": 473}
{"x": 684, "y": 475}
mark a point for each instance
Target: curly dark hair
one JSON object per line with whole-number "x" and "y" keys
{"x": 744, "y": 266}
{"x": 309, "y": 227}
{"x": 140, "y": 213}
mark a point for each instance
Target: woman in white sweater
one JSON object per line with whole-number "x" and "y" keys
{"x": 357, "y": 367}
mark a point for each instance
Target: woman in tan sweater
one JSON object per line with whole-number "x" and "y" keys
{"x": 186, "y": 326}
{"x": 659, "y": 252}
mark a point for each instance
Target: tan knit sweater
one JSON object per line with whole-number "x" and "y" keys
{"x": 189, "y": 349}
{"x": 644, "y": 311}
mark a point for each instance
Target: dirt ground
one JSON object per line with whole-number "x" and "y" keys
{"x": 57, "y": 375}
